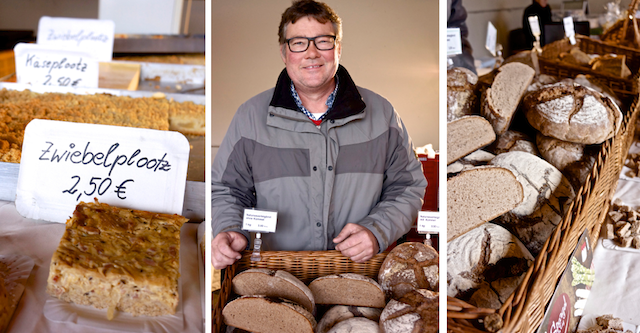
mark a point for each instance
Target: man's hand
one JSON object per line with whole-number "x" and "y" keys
{"x": 356, "y": 242}
{"x": 226, "y": 247}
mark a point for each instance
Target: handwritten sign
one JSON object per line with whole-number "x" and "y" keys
{"x": 64, "y": 163}
{"x": 492, "y": 34}
{"x": 92, "y": 36}
{"x": 454, "y": 42}
{"x": 569, "y": 29}
{"x": 259, "y": 220}
{"x": 429, "y": 222}
{"x": 54, "y": 66}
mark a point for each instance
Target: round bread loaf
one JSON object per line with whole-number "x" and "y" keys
{"x": 572, "y": 113}
{"x": 557, "y": 152}
{"x": 547, "y": 197}
{"x": 339, "y": 313}
{"x": 461, "y": 94}
{"x": 348, "y": 289}
{"x": 272, "y": 283}
{"x": 409, "y": 266}
{"x": 513, "y": 141}
{"x": 416, "y": 312}
{"x": 487, "y": 258}
{"x": 356, "y": 325}
{"x": 268, "y": 314}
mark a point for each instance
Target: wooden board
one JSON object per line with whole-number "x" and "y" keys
{"x": 119, "y": 75}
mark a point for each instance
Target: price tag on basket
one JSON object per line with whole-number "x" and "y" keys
{"x": 534, "y": 24}
{"x": 259, "y": 221}
{"x": 429, "y": 222}
{"x": 55, "y": 66}
{"x": 64, "y": 163}
{"x": 454, "y": 42}
{"x": 492, "y": 34}
{"x": 90, "y": 35}
{"x": 569, "y": 29}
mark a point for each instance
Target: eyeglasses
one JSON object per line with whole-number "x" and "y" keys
{"x": 322, "y": 43}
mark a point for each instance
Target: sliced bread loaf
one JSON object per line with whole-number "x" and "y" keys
{"x": 272, "y": 283}
{"x": 479, "y": 195}
{"x": 467, "y": 134}
{"x": 268, "y": 314}
{"x": 348, "y": 289}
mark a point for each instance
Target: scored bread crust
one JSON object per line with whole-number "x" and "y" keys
{"x": 273, "y": 283}
{"x": 479, "y": 195}
{"x": 267, "y": 314}
{"x": 466, "y": 135}
{"x": 120, "y": 259}
{"x": 416, "y": 312}
{"x": 409, "y": 266}
{"x": 500, "y": 102}
{"x": 348, "y": 289}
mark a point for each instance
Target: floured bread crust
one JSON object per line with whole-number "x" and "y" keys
{"x": 120, "y": 259}
{"x": 416, "y": 312}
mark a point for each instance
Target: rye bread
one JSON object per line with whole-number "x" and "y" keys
{"x": 500, "y": 102}
{"x": 558, "y": 152}
{"x": 273, "y": 283}
{"x": 415, "y": 312}
{"x": 513, "y": 141}
{"x": 268, "y": 314}
{"x": 466, "y": 135}
{"x": 409, "y": 266}
{"x": 348, "y": 289}
{"x": 479, "y": 195}
{"x": 461, "y": 93}
{"x": 340, "y": 313}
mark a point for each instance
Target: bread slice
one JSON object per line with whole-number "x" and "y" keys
{"x": 467, "y": 134}
{"x": 272, "y": 283}
{"x": 479, "y": 195}
{"x": 500, "y": 102}
{"x": 348, "y": 289}
{"x": 267, "y": 314}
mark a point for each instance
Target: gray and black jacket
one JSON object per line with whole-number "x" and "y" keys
{"x": 358, "y": 167}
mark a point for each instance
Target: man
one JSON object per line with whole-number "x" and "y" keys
{"x": 333, "y": 159}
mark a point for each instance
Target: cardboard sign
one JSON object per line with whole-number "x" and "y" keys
{"x": 454, "y": 42}
{"x": 54, "y": 66}
{"x": 534, "y": 24}
{"x": 569, "y": 29}
{"x": 90, "y": 35}
{"x": 259, "y": 220}
{"x": 492, "y": 34}
{"x": 429, "y": 222}
{"x": 64, "y": 163}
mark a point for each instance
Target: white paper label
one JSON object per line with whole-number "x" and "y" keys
{"x": 492, "y": 34}
{"x": 92, "y": 36}
{"x": 454, "y": 42}
{"x": 428, "y": 222}
{"x": 53, "y": 66}
{"x": 64, "y": 163}
{"x": 259, "y": 220}
{"x": 569, "y": 29}
{"x": 535, "y": 25}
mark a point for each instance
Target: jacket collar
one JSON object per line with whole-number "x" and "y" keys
{"x": 348, "y": 100}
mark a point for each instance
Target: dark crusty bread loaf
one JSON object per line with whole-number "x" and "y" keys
{"x": 614, "y": 65}
{"x": 479, "y": 195}
{"x": 500, "y": 102}
{"x": 558, "y": 152}
{"x": 415, "y": 312}
{"x": 488, "y": 261}
{"x": 356, "y": 325}
{"x": 409, "y": 266}
{"x": 461, "y": 93}
{"x": 272, "y": 283}
{"x": 513, "y": 141}
{"x": 572, "y": 113}
{"x": 267, "y": 314}
{"x": 339, "y": 313}
{"x": 347, "y": 289}
{"x": 466, "y": 135}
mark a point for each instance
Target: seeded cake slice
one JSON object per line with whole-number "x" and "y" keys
{"x": 120, "y": 259}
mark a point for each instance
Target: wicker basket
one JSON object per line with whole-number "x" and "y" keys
{"x": 524, "y": 309}
{"x": 305, "y": 265}
{"x": 625, "y": 31}
{"x": 626, "y": 89}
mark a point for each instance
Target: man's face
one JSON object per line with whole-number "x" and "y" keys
{"x": 312, "y": 69}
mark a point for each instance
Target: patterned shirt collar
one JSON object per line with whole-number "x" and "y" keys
{"x": 329, "y": 103}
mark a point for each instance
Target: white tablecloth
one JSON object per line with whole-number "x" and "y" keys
{"x": 38, "y": 240}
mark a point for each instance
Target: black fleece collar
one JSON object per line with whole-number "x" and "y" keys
{"x": 348, "y": 100}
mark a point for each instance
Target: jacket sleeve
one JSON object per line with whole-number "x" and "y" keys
{"x": 403, "y": 189}
{"x": 232, "y": 186}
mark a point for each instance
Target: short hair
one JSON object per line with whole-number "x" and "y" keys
{"x": 319, "y": 11}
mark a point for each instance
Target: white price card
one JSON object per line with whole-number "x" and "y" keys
{"x": 569, "y": 29}
{"x": 91, "y": 35}
{"x": 492, "y": 34}
{"x": 454, "y": 42}
{"x": 54, "y": 66}
{"x": 534, "y": 24}
{"x": 64, "y": 163}
{"x": 429, "y": 222}
{"x": 259, "y": 220}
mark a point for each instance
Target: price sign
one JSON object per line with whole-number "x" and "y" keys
{"x": 535, "y": 25}
{"x": 454, "y": 42}
{"x": 429, "y": 222}
{"x": 90, "y": 35}
{"x": 569, "y": 29}
{"x": 64, "y": 163}
{"x": 492, "y": 34}
{"x": 53, "y": 66}
{"x": 259, "y": 220}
